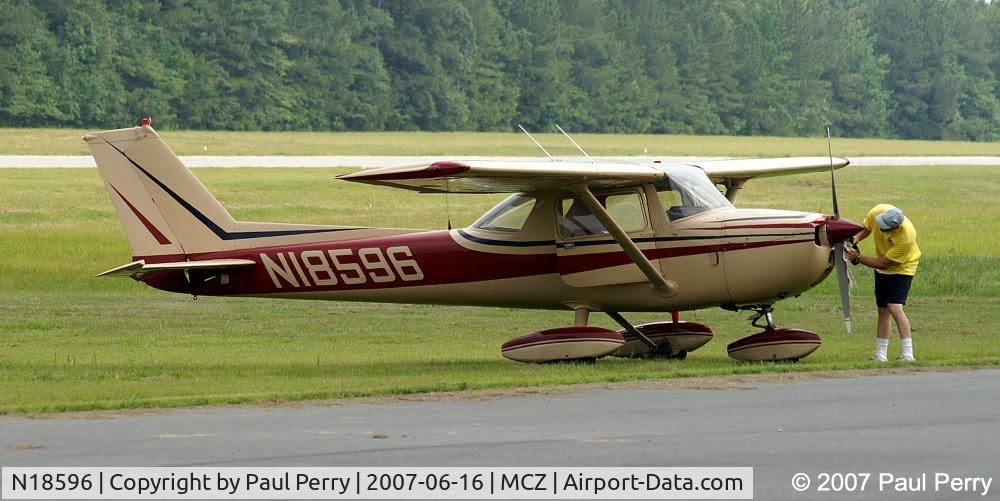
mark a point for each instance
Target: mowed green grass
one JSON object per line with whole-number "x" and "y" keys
{"x": 72, "y": 342}
{"x": 67, "y": 142}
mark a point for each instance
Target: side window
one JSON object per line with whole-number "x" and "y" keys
{"x": 627, "y": 210}
{"x": 509, "y": 216}
{"x": 576, "y": 220}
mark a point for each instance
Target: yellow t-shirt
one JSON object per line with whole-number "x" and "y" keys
{"x": 899, "y": 244}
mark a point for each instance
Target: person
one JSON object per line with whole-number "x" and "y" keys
{"x": 895, "y": 263}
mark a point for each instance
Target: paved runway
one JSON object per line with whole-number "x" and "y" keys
{"x": 370, "y": 162}
{"x": 906, "y": 424}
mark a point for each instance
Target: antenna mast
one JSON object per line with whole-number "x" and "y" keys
{"x": 577, "y": 145}
{"x": 536, "y": 142}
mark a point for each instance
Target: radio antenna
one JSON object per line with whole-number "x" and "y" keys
{"x": 536, "y": 142}
{"x": 577, "y": 145}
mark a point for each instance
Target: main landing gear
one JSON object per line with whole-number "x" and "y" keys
{"x": 773, "y": 344}
{"x": 663, "y": 340}
{"x": 581, "y": 343}
{"x": 659, "y": 340}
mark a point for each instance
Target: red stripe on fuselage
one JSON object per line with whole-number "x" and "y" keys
{"x": 764, "y": 226}
{"x": 440, "y": 258}
{"x": 590, "y": 262}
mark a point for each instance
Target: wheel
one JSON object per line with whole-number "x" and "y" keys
{"x": 666, "y": 352}
{"x": 680, "y": 355}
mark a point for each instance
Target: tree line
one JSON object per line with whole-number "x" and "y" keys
{"x": 876, "y": 68}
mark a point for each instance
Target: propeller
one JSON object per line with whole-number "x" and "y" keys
{"x": 843, "y": 274}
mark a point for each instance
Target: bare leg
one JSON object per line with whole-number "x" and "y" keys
{"x": 902, "y": 322}
{"x": 884, "y": 325}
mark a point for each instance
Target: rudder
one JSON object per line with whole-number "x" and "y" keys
{"x": 163, "y": 208}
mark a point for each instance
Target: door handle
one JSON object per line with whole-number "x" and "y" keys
{"x": 716, "y": 263}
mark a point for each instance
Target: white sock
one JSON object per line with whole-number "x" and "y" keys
{"x": 907, "y": 347}
{"x": 881, "y": 347}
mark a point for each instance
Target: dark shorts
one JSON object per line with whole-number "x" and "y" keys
{"x": 891, "y": 288}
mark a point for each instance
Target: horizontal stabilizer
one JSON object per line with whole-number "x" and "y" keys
{"x": 137, "y": 268}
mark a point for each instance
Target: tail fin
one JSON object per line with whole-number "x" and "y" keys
{"x": 165, "y": 209}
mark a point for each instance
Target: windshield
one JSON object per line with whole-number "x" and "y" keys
{"x": 688, "y": 191}
{"x": 509, "y": 216}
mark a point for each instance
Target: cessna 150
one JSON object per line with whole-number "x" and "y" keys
{"x": 580, "y": 236}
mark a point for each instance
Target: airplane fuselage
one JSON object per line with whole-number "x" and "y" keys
{"x": 722, "y": 257}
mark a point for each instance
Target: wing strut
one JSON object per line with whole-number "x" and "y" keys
{"x": 661, "y": 287}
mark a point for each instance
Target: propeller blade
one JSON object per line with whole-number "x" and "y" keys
{"x": 843, "y": 282}
{"x": 833, "y": 179}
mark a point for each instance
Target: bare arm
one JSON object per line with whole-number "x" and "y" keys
{"x": 879, "y": 263}
{"x": 859, "y": 236}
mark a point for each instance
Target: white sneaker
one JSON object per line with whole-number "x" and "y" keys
{"x": 905, "y": 358}
{"x": 876, "y": 358}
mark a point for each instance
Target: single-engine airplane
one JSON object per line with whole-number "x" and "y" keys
{"x": 576, "y": 236}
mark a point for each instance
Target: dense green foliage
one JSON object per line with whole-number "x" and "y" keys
{"x": 897, "y": 68}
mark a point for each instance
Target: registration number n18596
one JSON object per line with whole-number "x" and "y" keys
{"x": 319, "y": 267}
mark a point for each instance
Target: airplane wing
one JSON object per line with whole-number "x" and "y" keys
{"x": 139, "y": 268}
{"x": 502, "y": 176}
{"x": 721, "y": 171}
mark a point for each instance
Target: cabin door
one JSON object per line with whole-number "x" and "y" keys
{"x": 587, "y": 254}
{"x": 693, "y": 244}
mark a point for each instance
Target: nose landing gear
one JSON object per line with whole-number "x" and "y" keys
{"x": 773, "y": 344}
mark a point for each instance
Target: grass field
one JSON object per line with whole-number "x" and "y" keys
{"x": 71, "y": 342}
{"x": 67, "y": 142}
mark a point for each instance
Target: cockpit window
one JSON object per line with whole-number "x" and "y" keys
{"x": 688, "y": 191}
{"x": 509, "y": 216}
{"x": 576, "y": 220}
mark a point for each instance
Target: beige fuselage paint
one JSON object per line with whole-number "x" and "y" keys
{"x": 775, "y": 270}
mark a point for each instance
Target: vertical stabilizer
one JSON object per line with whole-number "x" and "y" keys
{"x": 162, "y": 206}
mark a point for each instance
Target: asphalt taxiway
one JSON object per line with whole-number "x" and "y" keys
{"x": 907, "y": 423}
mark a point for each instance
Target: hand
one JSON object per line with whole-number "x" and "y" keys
{"x": 853, "y": 255}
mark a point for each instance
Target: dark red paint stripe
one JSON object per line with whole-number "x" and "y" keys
{"x": 761, "y": 226}
{"x": 160, "y": 237}
{"x": 545, "y": 342}
{"x": 436, "y": 169}
{"x": 590, "y": 262}
{"x": 442, "y": 260}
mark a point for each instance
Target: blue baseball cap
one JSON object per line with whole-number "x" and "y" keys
{"x": 891, "y": 219}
